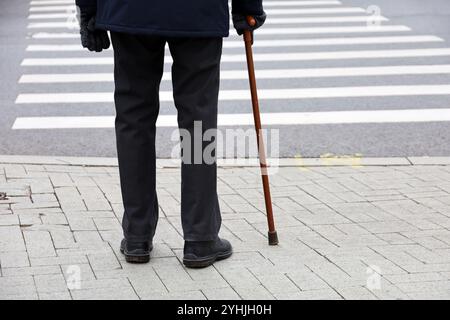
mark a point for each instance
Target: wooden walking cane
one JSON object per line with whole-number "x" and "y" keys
{"x": 248, "y": 39}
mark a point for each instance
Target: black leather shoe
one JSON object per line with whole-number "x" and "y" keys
{"x": 136, "y": 252}
{"x": 201, "y": 254}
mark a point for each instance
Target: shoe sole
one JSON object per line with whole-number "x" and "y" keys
{"x": 145, "y": 258}
{"x": 207, "y": 261}
{"x": 136, "y": 258}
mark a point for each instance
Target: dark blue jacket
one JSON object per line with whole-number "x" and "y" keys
{"x": 178, "y": 18}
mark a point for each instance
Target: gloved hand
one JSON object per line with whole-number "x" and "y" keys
{"x": 241, "y": 24}
{"x": 91, "y": 38}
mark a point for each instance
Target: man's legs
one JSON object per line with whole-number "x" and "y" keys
{"x": 196, "y": 79}
{"x": 139, "y": 64}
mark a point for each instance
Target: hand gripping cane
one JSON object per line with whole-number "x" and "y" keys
{"x": 248, "y": 39}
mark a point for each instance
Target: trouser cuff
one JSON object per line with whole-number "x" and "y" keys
{"x": 138, "y": 238}
{"x": 201, "y": 237}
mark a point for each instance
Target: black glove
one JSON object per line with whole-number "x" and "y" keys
{"x": 241, "y": 24}
{"x": 91, "y": 38}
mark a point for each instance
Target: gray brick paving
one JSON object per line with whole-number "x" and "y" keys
{"x": 368, "y": 232}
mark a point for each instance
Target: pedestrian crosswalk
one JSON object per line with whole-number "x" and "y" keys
{"x": 308, "y": 51}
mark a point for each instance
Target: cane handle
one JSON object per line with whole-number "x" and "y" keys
{"x": 251, "y": 21}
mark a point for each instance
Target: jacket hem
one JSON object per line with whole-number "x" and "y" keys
{"x": 156, "y": 32}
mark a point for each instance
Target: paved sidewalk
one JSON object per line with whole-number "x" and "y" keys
{"x": 364, "y": 232}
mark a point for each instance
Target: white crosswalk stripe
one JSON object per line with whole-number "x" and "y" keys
{"x": 332, "y": 30}
{"x": 270, "y": 20}
{"x": 263, "y": 57}
{"x": 269, "y": 11}
{"x": 246, "y": 119}
{"x": 266, "y": 3}
{"x": 55, "y": 35}
{"x": 261, "y": 74}
{"x": 264, "y": 94}
{"x": 278, "y": 43}
{"x": 320, "y": 50}
{"x": 263, "y": 32}
{"x": 267, "y": 31}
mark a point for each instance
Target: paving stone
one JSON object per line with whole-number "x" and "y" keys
{"x": 395, "y": 238}
{"x": 27, "y": 220}
{"x": 50, "y": 261}
{"x": 14, "y": 171}
{"x": 391, "y": 226}
{"x": 424, "y": 286}
{"x": 93, "y": 214}
{"x": 414, "y": 277}
{"x": 103, "y": 261}
{"x": 429, "y": 295}
{"x": 322, "y": 294}
{"x": 430, "y": 242}
{"x": 89, "y": 239}
{"x": 14, "y": 259}
{"x": 54, "y": 218}
{"x": 26, "y": 296}
{"x": 5, "y": 210}
{"x": 351, "y": 229}
{"x": 356, "y": 293}
{"x": 9, "y": 220}
{"x": 31, "y": 271}
{"x": 434, "y": 267}
{"x": 185, "y": 295}
{"x": 159, "y": 250}
{"x": 307, "y": 280}
{"x": 221, "y": 294}
{"x": 94, "y": 198}
{"x": 17, "y": 288}
{"x": 39, "y": 244}
{"x": 389, "y": 292}
{"x": 103, "y": 224}
{"x": 122, "y": 293}
{"x": 63, "y": 295}
{"x": 84, "y": 270}
{"x": 238, "y": 277}
{"x": 112, "y": 284}
{"x": 336, "y": 277}
{"x": 34, "y": 167}
{"x": 147, "y": 285}
{"x": 82, "y": 181}
{"x": 70, "y": 199}
{"x": 80, "y": 223}
{"x": 50, "y": 283}
{"x": 255, "y": 292}
{"x": 350, "y": 196}
{"x": 112, "y": 274}
{"x": 11, "y": 239}
{"x": 278, "y": 283}
{"x": 63, "y": 239}
{"x": 34, "y": 205}
{"x": 44, "y": 197}
{"x": 39, "y": 211}
{"x": 62, "y": 179}
{"x": 204, "y": 274}
{"x": 238, "y": 225}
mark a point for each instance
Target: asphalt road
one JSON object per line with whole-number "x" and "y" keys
{"x": 403, "y": 67}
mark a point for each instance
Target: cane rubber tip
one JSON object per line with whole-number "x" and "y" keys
{"x": 273, "y": 238}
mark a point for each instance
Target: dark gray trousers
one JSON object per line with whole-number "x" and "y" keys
{"x": 139, "y": 64}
